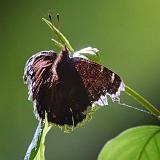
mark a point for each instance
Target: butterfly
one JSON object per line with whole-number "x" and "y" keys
{"x": 65, "y": 86}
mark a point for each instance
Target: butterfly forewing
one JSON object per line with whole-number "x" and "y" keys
{"x": 98, "y": 80}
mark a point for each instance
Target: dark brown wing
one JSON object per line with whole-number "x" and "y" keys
{"x": 37, "y": 75}
{"x": 98, "y": 80}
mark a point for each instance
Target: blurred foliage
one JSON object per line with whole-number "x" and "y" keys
{"x": 126, "y": 33}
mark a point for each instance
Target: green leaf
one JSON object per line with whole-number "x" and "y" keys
{"x": 61, "y": 37}
{"x": 36, "y": 149}
{"x": 140, "y": 143}
{"x": 88, "y": 53}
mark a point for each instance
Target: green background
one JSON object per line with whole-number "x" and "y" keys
{"x": 126, "y": 32}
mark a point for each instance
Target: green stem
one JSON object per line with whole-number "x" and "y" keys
{"x": 146, "y": 104}
{"x": 41, "y": 149}
{"x": 36, "y": 149}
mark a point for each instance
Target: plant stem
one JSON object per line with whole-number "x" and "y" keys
{"x": 41, "y": 150}
{"x": 36, "y": 149}
{"x": 146, "y": 104}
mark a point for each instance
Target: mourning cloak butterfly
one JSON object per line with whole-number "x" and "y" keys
{"x": 65, "y": 87}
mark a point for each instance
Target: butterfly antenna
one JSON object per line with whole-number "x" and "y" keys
{"x": 58, "y": 19}
{"x": 51, "y": 20}
{"x": 53, "y": 29}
